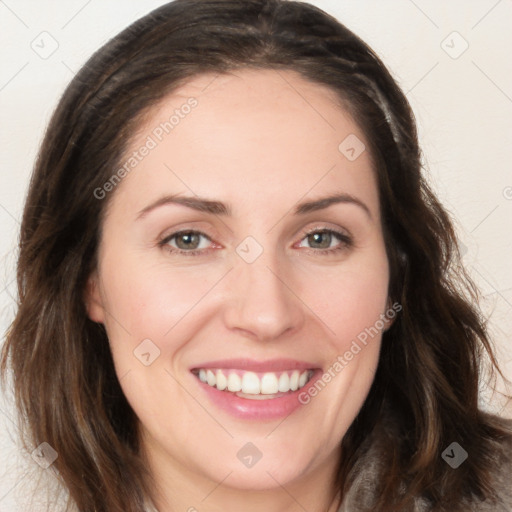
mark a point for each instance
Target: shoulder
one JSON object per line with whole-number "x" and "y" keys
{"x": 367, "y": 472}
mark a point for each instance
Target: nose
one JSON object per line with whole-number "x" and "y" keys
{"x": 263, "y": 304}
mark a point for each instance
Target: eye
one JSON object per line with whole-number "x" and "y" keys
{"x": 322, "y": 239}
{"x": 190, "y": 243}
{"x": 186, "y": 241}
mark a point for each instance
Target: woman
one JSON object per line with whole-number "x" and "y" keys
{"x": 237, "y": 292}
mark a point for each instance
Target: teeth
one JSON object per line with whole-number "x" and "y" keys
{"x": 258, "y": 397}
{"x": 210, "y": 378}
{"x": 222, "y": 382}
{"x": 294, "y": 381}
{"x": 284, "y": 382}
{"x": 269, "y": 384}
{"x": 234, "y": 383}
{"x": 253, "y": 384}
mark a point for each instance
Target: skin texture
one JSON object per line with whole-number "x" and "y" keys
{"x": 260, "y": 141}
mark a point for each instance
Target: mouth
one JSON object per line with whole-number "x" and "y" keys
{"x": 253, "y": 385}
{"x": 255, "y": 390}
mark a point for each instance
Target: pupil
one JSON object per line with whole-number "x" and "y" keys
{"x": 317, "y": 238}
{"x": 187, "y": 238}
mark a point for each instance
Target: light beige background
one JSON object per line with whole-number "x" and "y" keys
{"x": 462, "y": 98}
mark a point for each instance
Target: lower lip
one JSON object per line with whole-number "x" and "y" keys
{"x": 247, "y": 408}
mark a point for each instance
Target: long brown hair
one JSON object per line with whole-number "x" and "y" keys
{"x": 66, "y": 389}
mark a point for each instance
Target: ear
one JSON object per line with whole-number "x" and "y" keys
{"x": 390, "y": 314}
{"x": 93, "y": 301}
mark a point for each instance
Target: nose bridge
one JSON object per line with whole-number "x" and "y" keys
{"x": 262, "y": 301}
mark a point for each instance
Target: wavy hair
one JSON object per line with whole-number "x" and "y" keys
{"x": 66, "y": 390}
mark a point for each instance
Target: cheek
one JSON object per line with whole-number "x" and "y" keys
{"x": 149, "y": 300}
{"x": 350, "y": 299}
{"x": 155, "y": 303}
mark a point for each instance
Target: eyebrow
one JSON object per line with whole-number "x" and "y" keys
{"x": 219, "y": 208}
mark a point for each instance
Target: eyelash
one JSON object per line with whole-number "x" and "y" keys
{"x": 346, "y": 242}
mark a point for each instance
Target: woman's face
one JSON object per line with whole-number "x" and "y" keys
{"x": 272, "y": 287}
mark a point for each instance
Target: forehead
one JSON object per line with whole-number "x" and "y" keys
{"x": 263, "y": 86}
{"x": 263, "y": 134}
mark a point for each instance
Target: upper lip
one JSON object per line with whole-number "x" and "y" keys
{"x": 270, "y": 365}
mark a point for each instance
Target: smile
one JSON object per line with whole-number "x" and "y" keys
{"x": 255, "y": 385}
